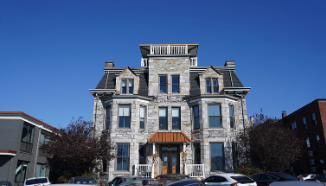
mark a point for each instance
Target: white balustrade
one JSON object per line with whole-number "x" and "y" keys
{"x": 144, "y": 62}
{"x": 196, "y": 170}
{"x": 144, "y": 170}
{"x": 193, "y": 61}
{"x": 169, "y": 50}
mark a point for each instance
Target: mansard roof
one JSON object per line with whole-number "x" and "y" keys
{"x": 230, "y": 79}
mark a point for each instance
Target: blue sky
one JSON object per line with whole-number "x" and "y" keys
{"x": 53, "y": 51}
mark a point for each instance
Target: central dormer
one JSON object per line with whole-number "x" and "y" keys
{"x": 169, "y": 50}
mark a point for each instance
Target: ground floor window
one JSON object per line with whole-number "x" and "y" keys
{"x": 142, "y": 154}
{"x": 217, "y": 156}
{"x": 40, "y": 170}
{"x": 123, "y": 157}
{"x": 197, "y": 154}
{"x": 21, "y": 171}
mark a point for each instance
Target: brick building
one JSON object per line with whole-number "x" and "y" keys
{"x": 21, "y": 154}
{"x": 185, "y": 114}
{"x": 310, "y": 124}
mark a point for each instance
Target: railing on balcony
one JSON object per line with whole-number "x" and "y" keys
{"x": 193, "y": 61}
{"x": 144, "y": 170}
{"x": 195, "y": 170}
{"x": 144, "y": 62}
{"x": 169, "y": 50}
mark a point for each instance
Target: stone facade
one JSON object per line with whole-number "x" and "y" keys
{"x": 185, "y": 100}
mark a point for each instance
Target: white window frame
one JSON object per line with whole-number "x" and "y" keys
{"x": 127, "y": 86}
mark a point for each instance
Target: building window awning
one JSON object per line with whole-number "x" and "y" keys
{"x": 178, "y": 137}
{"x": 7, "y": 152}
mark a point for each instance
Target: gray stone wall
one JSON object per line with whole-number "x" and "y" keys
{"x": 134, "y": 136}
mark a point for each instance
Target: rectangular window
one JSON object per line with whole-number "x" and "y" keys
{"x": 44, "y": 139}
{"x": 294, "y": 126}
{"x": 308, "y": 142}
{"x": 127, "y": 86}
{"x": 176, "y": 119}
{"x": 28, "y": 133}
{"x": 21, "y": 171}
{"x": 123, "y": 157}
{"x": 231, "y": 116}
{"x": 124, "y": 116}
{"x": 142, "y": 113}
{"x": 313, "y": 117}
{"x": 40, "y": 170}
{"x": 196, "y": 117}
{"x": 235, "y": 155}
{"x": 304, "y": 121}
{"x": 108, "y": 118}
{"x": 163, "y": 118}
{"x": 317, "y": 142}
{"x": 211, "y": 85}
{"x": 217, "y": 156}
{"x": 214, "y": 116}
{"x": 163, "y": 84}
{"x": 142, "y": 154}
{"x": 175, "y": 84}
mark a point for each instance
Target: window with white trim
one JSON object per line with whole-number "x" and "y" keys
{"x": 211, "y": 85}
{"x": 127, "y": 86}
{"x": 123, "y": 157}
{"x": 176, "y": 119}
{"x": 214, "y": 114}
{"x": 142, "y": 115}
{"x": 163, "y": 84}
{"x": 124, "y": 116}
{"x": 163, "y": 119}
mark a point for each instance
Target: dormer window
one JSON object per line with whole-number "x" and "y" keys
{"x": 211, "y": 85}
{"x": 127, "y": 86}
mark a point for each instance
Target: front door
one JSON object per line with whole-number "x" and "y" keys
{"x": 169, "y": 162}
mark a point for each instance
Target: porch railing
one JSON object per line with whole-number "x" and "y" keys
{"x": 169, "y": 49}
{"x": 196, "y": 170}
{"x": 144, "y": 170}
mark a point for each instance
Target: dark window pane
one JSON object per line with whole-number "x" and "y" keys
{"x": 175, "y": 123}
{"x": 217, "y": 156}
{"x": 208, "y": 90}
{"x": 163, "y": 123}
{"x": 174, "y": 159}
{"x": 121, "y": 122}
{"x": 141, "y": 124}
{"x": 196, "y": 117}
{"x": 125, "y": 151}
{"x": 124, "y": 90}
{"x": 214, "y": 121}
{"x": 162, "y": 88}
{"x": 162, "y": 80}
{"x": 162, "y": 119}
{"x": 131, "y": 90}
{"x": 208, "y": 85}
{"x": 165, "y": 160}
{"x": 175, "y": 80}
{"x": 175, "y": 88}
{"x": 119, "y": 163}
{"x": 125, "y": 164}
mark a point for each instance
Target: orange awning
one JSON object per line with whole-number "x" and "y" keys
{"x": 169, "y": 137}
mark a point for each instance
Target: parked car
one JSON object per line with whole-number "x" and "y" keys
{"x": 187, "y": 182}
{"x": 317, "y": 177}
{"x": 83, "y": 180}
{"x": 229, "y": 179}
{"x": 296, "y": 183}
{"x": 305, "y": 176}
{"x": 37, "y": 181}
{"x": 266, "y": 178}
{"x": 5, "y": 183}
{"x": 123, "y": 179}
{"x": 171, "y": 177}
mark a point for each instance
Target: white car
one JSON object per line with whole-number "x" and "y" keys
{"x": 37, "y": 181}
{"x": 306, "y": 176}
{"x": 229, "y": 179}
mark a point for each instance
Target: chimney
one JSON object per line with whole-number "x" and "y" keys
{"x": 229, "y": 63}
{"x": 283, "y": 114}
{"x": 109, "y": 64}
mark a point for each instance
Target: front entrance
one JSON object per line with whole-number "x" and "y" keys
{"x": 170, "y": 160}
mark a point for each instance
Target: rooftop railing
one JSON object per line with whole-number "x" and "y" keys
{"x": 169, "y": 50}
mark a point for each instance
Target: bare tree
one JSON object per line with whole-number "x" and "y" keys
{"x": 74, "y": 148}
{"x": 269, "y": 144}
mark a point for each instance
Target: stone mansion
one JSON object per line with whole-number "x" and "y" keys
{"x": 170, "y": 115}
